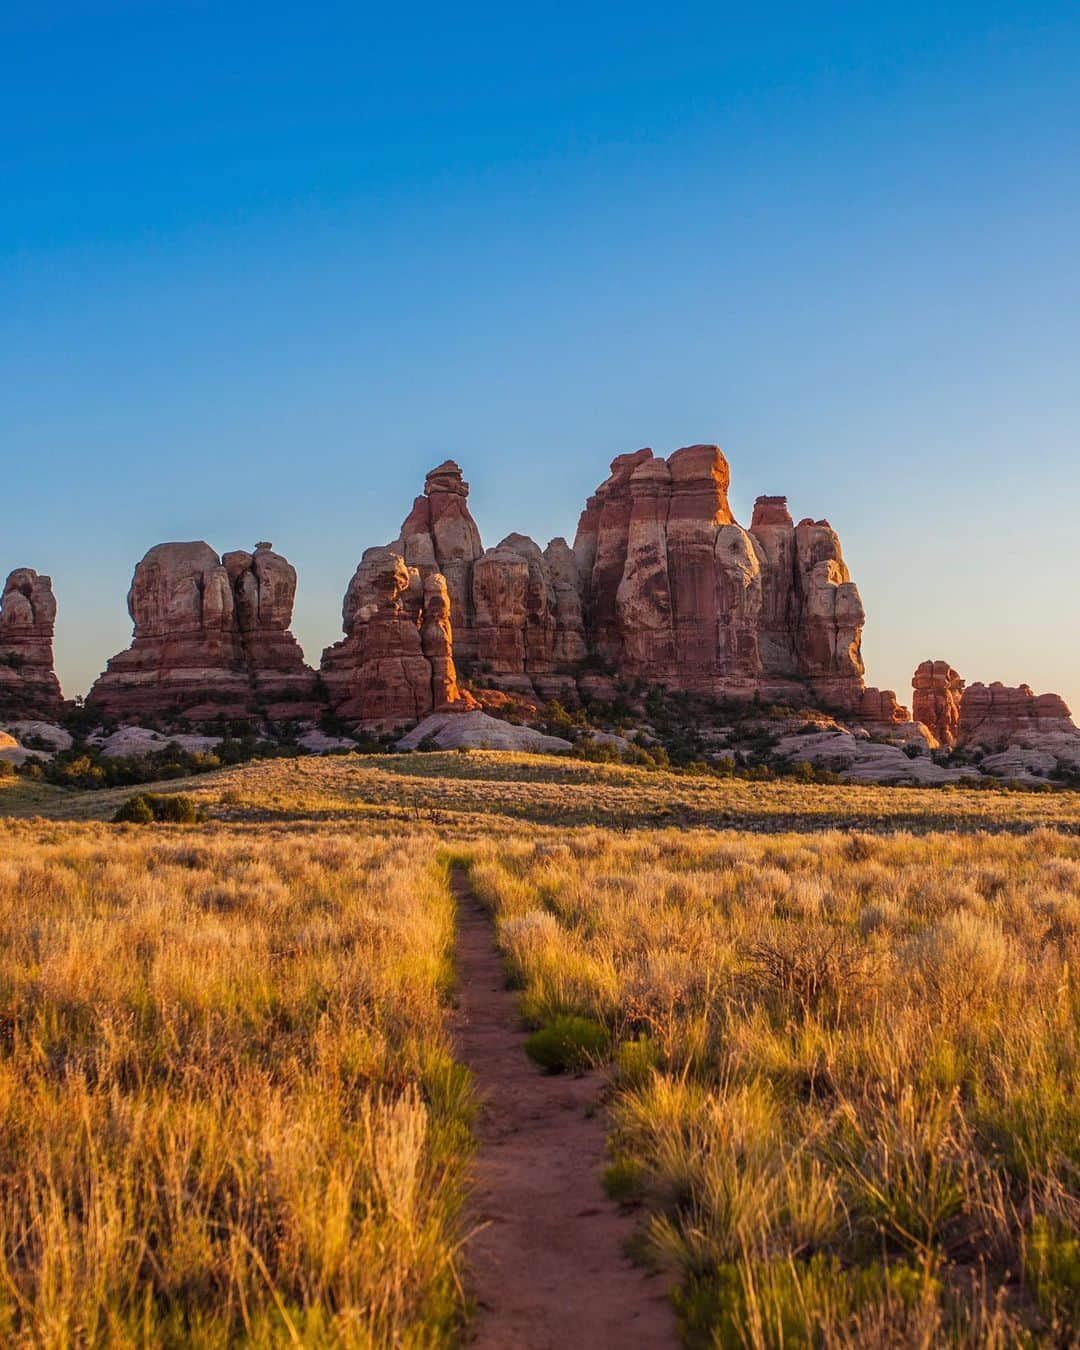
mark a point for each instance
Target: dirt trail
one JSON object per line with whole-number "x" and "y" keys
{"x": 548, "y": 1270}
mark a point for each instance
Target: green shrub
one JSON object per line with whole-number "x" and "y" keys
{"x": 567, "y": 1044}
{"x": 178, "y": 810}
{"x": 1052, "y": 1266}
{"x": 623, "y": 1181}
{"x": 150, "y": 807}
{"x": 635, "y": 1061}
{"x": 135, "y": 811}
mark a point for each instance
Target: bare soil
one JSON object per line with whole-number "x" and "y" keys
{"x": 548, "y": 1263}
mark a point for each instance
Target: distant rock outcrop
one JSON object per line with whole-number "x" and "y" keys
{"x": 938, "y": 691}
{"x": 1010, "y": 731}
{"x": 439, "y": 535}
{"x": 28, "y": 683}
{"x": 676, "y": 592}
{"x": 264, "y": 588}
{"x": 878, "y": 711}
{"x": 396, "y": 661}
{"x": 516, "y": 609}
{"x": 991, "y": 714}
{"x": 662, "y": 586}
{"x": 211, "y": 640}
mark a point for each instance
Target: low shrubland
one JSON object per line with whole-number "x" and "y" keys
{"x": 846, "y": 1069}
{"x": 84, "y": 766}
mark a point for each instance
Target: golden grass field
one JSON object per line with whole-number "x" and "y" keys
{"x": 843, "y": 1026}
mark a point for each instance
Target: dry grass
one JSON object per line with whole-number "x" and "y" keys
{"x": 503, "y": 791}
{"x": 228, "y": 1111}
{"x": 847, "y": 1075}
{"x": 844, "y": 1027}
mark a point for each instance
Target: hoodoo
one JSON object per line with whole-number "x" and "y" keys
{"x": 28, "y": 683}
{"x": 676, "y": 592}
{"x": 211, "y": 640}
{"x": 662, "y": 586}
{"x": 396, "y": 661}
{"x": 936, "y": 703}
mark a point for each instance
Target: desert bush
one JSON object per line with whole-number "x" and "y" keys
{"x": 567, "y": 1044}
{"x": 149, "y": 807}
{"x": 135, "y": 811}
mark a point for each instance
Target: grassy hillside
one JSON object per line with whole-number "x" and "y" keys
{"x": 500, "y": 790}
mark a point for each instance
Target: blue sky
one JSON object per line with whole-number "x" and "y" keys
{"x": 261, "y": 266}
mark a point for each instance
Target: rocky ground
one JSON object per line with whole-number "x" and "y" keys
{"x": 658, "y": 729}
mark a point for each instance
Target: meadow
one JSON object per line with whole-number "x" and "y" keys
{"x": 229, "y": 1111}
{"x": 838, "y": 1028}
{"x": 845, "y": 1069}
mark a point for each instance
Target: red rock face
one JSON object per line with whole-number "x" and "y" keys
{"x": 440, "y": 535}
{"x": 662, "y": 585}
{"x": 993, "y": 713}
{"x": 396, "y": 662}
{"x": 936, "y": 702}
{"x": 264, "y": 590}
{"x": 774, "y": 533}
{"x": 612, "y": 508}
{"x": 878, "y": 710}
{"x": 516, "y": 611}
{"x": 211, "y": 640}
{"x": 829, "y": 616}
{"x": 642, "y": 618}
{"x": 676, "y": 592}
{"x": 28, "y": 683}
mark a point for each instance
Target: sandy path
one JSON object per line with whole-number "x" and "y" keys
{"x": 548, "y": 1270}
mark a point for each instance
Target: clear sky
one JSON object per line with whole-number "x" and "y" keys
{"x": 262, "y": 265}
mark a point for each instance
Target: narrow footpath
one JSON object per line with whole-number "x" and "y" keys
{"x": 548, "y": 1265}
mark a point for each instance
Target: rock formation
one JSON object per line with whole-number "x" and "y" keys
{"x": 264, "y": 590}
{"x": 211, "y": 640}
{"x": 28, "y": 683}
{"x": 396, "y": 661}
{"x": 476, "y": 730}
{"x": 516, "y": 609}
{"x": 662, "y": 586}
{"x": 439, "y": 535}
{"x": 938, "y": 691}
{"x": 992, "y": 714}
{"x": 879, "y": 711}
{"x": 676, "y": 592}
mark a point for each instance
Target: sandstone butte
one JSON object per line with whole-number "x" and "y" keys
{"x": 984, "y": 715}
{"x": 662, "y": 586}
{"x": 211, "y": 640}
{"x": 938, "y": 690}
